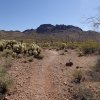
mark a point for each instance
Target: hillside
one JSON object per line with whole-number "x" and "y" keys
{"x": 51, "y": 32}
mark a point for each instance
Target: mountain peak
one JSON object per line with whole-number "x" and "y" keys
{"x": 49, "y": 28}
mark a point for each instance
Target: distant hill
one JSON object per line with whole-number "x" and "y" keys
{"x": 48, "y": 28}
{"x": 52, "y": 32}
{"x": 29, "y": 31}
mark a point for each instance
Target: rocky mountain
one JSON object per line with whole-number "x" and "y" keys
{"x": 29, "y": 31}
{"x": 48, "y": 28}
{"x": 52, "y": 32}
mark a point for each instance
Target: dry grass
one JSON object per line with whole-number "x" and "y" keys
{"x": 5, "y": 81}
{"x": 81, "y": 92}
{"x": 78, "y": 76}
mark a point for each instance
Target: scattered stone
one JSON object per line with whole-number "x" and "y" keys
{"x": 65, "y": 83}
{"x": 77, "y": 67}
{"x": 69, "y": 63}
{"x": 65, "y": 50}
{"x": 80, "y": 54}
{"x": 5, "y": 98}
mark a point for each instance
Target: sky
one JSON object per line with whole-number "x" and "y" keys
{"x": 27, "y": 14}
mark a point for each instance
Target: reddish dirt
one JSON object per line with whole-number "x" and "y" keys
{"x": 47, "y": 79}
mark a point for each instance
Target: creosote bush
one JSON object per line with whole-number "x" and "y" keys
{"x": 5, "y": 81}
{"x": 97, "y": 66}
{"x": 30, "y": 59}
{"x": 90, "y": 47}
{"x": 8, "y": 62}
{"x": 6, "y": 53}
{"x": 94, "y": 72}
{"x": 81, "y": 92}
{"x": 86, "y": 47}
{"x": 39, "y": 57}
{"x": 14, "y": 55}
{"x": 78, "y": 76}
{"x": 2, "y": 71}
{"x": 5, "y": 84}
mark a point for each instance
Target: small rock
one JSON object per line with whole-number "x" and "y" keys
{"x": 77, "y": 67}
{"x": 5, "y": 98}
{"x": 80, "y": 55}
{"x": 65, "y": 83}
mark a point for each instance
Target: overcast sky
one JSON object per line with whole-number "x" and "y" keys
{"x": 25, "y": 14}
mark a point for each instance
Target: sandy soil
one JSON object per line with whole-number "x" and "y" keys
{"x": 47, "y": 79}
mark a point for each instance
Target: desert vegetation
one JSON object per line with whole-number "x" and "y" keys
{"x": 5, "y": 80}
{"x": 76, "y": 64}
{"x": 9, "y": 51}
{"x": 14, "y": 48}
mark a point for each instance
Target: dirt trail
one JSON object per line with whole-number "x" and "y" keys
{"x": 47, "y": 79}
{"x": 42, "y": 78}
{"x": 36, "y": 81}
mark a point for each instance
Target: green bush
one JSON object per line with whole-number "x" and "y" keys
{"x": 78, "y": 76}
{"x": 8, "y": 62}
{"x": 5, "y": 81}
{"x": 14, "y": 55}
{"x": 97, "y": 66}
{"x": 62, "y": 46}
{"x": 5, "y": 85}
{"x": 3, "y": 88}
{"x": 6, "y": 53}
{"x": 81, "y": 92}
{"x": 72, "y": 45}
{"x": 89, "y": 47}
{"x": 2, "y": 71}
{"x": 30, "y": 59}
{"x": 39, "y": 56}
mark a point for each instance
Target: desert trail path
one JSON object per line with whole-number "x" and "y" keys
{"x": 38, "y": 80}
{"x": 42, "y": 81}
{"x": 46, "y": 79}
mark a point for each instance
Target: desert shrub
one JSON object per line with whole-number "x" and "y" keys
{"x": 14, "y": 55}
{"x": 1, "y": 46}
{"x": 72, "y": 45}
{"x": 14, "y": 48}
{"x": 78, "y": 76}
{"x": 98, "y": 50}
{"x": 2, "y": 71}
{"x": 88, "y": 50}
{"x": 80, "y": 54}
{"x": 19, "y": 56}
{"x": 5, "y": 81}
{"x": 65, "y": 50}
{"x": 45, "y": 45}
{"x": 81, "y": 92}
{"x": 97, "y": 66}
{"x": 0, "y": 54}
{"x": 17, "y": 48}
{"x": 3, "y": 88}
{"x": 62, "y": 46}
{"x": 89, "y": 47}
{"x": 8, "y": 62}
{"x": 30, "y": 59}
{"x": 93, "y": 74}
{"x": 40, "y": 56}
{"x": 5, "y": 85}
{"x": 6, "y": 53}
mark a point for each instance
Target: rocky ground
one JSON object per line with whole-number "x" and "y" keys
{"x": 47, "y": 79}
